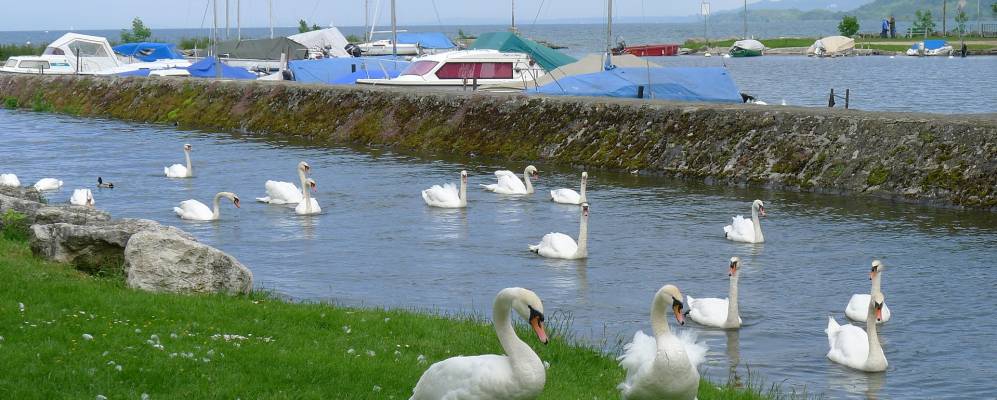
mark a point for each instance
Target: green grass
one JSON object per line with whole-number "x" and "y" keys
{"x": 171, "y": 346}
{"x": 11, "y": 50}
{"x": 864, "y": 43}
{"x": 697, "y": 44}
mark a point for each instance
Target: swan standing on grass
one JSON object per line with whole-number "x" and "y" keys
{"x": 197, "y": 211}
{"x": 48, "y": 184}
{"x": 519, "y": 374}
{"x": 285, "y": 192}
{"x": 308, "y": 205}
{"x": 447, "y": 196}
{"x": 719, "y": 313}
{"x": 857, "y": 305}
{"x": 559, "y": 245}
{"x": 748, "y": 231}
{"x": 9, "y": 180}
{"x": 856, "y": 348}
{"x": 82, "y": 197}
{"x": 569, "y": 196}
{"x": 180, "y": 171}
{"x": 662, "y": 367}
{"x": 509, "y": 183}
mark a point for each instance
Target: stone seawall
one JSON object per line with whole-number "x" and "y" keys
{"x": 929, "y": 158}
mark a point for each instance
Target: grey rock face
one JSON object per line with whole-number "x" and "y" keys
{"x": 91, "y": 248}
{"x": 163, "y": 260}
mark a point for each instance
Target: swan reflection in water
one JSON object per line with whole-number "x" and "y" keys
{"x": 734, "y": 356}
{"x": 859, "y": 384}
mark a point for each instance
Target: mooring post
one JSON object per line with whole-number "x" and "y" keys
{"x": 640, "y": 92}
{"x": 847, "y": 96}
{"x": 830, "y": 99}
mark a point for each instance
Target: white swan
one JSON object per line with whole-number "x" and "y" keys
{"x": 48, "y": 184}
{"x": 509, "y": 183}
{"x": 719, "y": 313}
{"x": 82, "y": 197}
{"x": 559, "y": 245}
{"x": 662, "y": 367}
{"x": 196, "y": 210}
{"x": 857, "y": 305}
{"x": 180, "y": 171}
{"x": 856, "y": 348}
{"x": 569, "y": 196}
{"x": 519, "y": 374}
{"x": 9, "y": 180}
{"x": 285, "y": 192}
{"x": 748, "y": 231}
{"x": 447, "y": 196}
{"x": 308, "y": 205}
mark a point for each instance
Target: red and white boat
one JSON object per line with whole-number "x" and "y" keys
{"x": 648, "y": 50}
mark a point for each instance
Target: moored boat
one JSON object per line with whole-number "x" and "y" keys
{"x": 930, "y": 48}
{"x": 648, "y": 50}
{"x": 464, "y": 68}
{"x": 746, "y": 48}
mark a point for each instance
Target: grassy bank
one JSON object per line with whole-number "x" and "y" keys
{"x": 894, "y": 45}
{"x": 78, "y": 337}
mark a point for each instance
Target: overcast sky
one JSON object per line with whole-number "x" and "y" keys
{"x": 115, "y": 14}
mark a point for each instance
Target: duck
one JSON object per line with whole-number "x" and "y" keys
{"x": 857, "y": 305}
{"x": 517, "y": 375}
{"x": 569, "y": 196}
{"x": 856, "y": 348}
{"x": 9, "y": 180}
{"x": 196, "y": 211}
{"x": 46, "y": 184}
{"x": 178, "y": 170}
{"x": 82, "y": 197}
{"x": 509, "y": 183}
{"x": 447, "y": 196}
{"x": 715, "y": 312}
{"x": 559, "y": 245}
{"x": 104, "y": 185}
{"x": 744, "y": 230}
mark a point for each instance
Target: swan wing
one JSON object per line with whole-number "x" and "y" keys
{"x": 9, "y": 180}
{"x": 858, "y": 308}
{"x": 708, "y": 311}
{"x": 695, "y": 350}
{"x": 175, "y": 171}
{"x": 281, "y": 193}
{"x": 48, "y": 184}
{"x": 637, "y": 360}
{"x": 565, "y": 196}
{"x": 508, "y": 183}
{"x": 194, "y": 210}
{"x": 849, "y": 344}
{"x": 442, "y": 196}
{"x": 740, "y": 230}
{"x": 556, "y": 245}
{"x": 477, "y": 377}
{"x": 665, "y": 370}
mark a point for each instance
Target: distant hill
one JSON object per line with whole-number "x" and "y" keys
{"x": 807, "y": 5}
{"x": 775, "y": 15}
{"x": 904, "y": 9}
{"x": 804, "y": 10}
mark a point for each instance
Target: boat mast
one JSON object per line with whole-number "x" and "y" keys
{"x": 214, "y": 38}
{"x": 745, "y": 19}
{"x": 394, "y": 34}
{"x": 270, "y": 16}
{"x": 228, "y": 29}
{"x": 366, "y": 19}
{"x": 513, "y": 28}
{"x": 609, "y": 28}
{"x": 238, "y": 19}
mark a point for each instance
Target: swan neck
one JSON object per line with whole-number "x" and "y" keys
{"x": 659, "y": 316}
{"x": 733, "y": 313}
{"x": 519, "y": 352}
{"x": 190, "y": 168}
{"x": 529, "y": 183}
{"x": 215, "y": 212}
{"x": 463, "y": 192}
{"x": 582, "y": 191}
{"x": 304, "y": 191}
{"x": 583, "y": 237}
{"x": 876, "y": 355}
{"x": 876, "y": 281}
{"x": 757, "y": 225}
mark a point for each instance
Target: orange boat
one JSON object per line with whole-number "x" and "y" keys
{"x": 648, "y": 50}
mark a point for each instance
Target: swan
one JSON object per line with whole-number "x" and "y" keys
{"x": 856, "y": 308}
{"x": 447, "y": 196}
{"x": 662, "y": 367}
{"x": 719, "y": 313}
{"x": 285, "y": 192}
{"x": 509, "y": 183}
{"x": 179, "y": 171}
{"x": 196, "y": 210}
{"x": 308, "y": 205}
{"x": 559, "y": 245}
{"x": 105, "y": 185}
{"x": 569, "y": 196}
{"x": 748, "y": 231}
{"x": 9, "y": 180}
{"x": 856, "y": 348}
{"x": 48, "y": 184}
{"x": 519, "y": 374}
{"x": 81, "y": 197}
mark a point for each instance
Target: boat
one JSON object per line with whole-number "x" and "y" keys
{"x": 832, "y": 46}
{"x": 75, "y": 53}
{"x": 589, "y": 64}
{"x": 345, "y": 70}
{"x": 746, "y": 48}
{"x": 698, "y": 84}
{"x": 647, "y": 50}
{"x": 384, "y": 47}
{"x": 930, "y": 48}
{"x": 464, "y": 68}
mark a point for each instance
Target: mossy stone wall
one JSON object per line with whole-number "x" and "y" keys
{"x": 937, "y": 159}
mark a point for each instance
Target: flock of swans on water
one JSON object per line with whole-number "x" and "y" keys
{"x": 663, "y": 366}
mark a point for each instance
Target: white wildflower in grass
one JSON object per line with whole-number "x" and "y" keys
{"x": 350, "y": 351}
{"x": 154, "y": 337}
{"x": 205, "y": 359}
{"x": 173, "y": 355}
{"x": 174, "y": 335}
{"x": 211, "y": 352}
{"x": 87, "y": 336}
{"x": 111, "y": 362}
{"x": 387, "y": 319}
{"x": 546, "y": 364}
{"x": 371, "y": 353}
{"x": 145, "y": 396}
{"x": 20, "y": 306}
{"x": 421, "y": 359}
{"x": 137, "y": 330}
{"x": 118, "y": 368}
{"x": 105, "y": 353}
{"x": 1, "y": 338}
{"x": 347, "y": 329}
{"x": 377, "y": 388}
{"x": 101, "y": 397}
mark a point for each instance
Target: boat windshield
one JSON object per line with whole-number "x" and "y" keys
{"x": 11, "y": 63}
{"x": 419, "y": 68}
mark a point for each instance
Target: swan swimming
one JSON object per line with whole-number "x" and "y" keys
{"x": 197, "y": 211}
{"x": 744, "y": 230}
{"x": 509, "y": 183}
{"x": 48, "y": 184}
{"x": 180, "y": 171}
{"x": 518, "y": 375}
{"x": 308, "y": 205}
{"x": 857, "y": 305}
{"x": 447, "y": 196}
{"x": 285, "y": 192}
{"x": 82, "y": 197}
{"x": 569, "y": 196}
{"x": 856, "y": 348}
{"x": 9, "y": 180}
{"x": 559, "y": 245}
{"x": 719, "y": 313}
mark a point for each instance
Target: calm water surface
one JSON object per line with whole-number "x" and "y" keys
{"x": 376, "y": 243}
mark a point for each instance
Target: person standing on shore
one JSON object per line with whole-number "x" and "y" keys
{"x": 885, "y": 28}
{"x": 893, "y": 27}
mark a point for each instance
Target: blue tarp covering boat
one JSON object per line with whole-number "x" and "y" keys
{"x": 709, "y": 84}
{"x": 137, "y": 72}
{"x": 346, "y": 70}
{"x": 427, "y": 40}
{"x": 206, "y": 69}
{"x": 149, "y": 51}
{"x": 933, "y": 44}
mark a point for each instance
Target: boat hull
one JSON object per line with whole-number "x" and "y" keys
{"x": 744, "y": 53}
{"x": 652, "y": 50}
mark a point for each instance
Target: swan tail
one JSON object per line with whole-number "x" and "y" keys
{"x": 832, "y": 326}
{"x": 263, "y": 199}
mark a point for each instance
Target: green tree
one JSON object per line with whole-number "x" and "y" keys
{"x": 961, "y": 18}
{"x": 139, "y": 32}
{"x": 994, "y": 7}
{"x": 303, "y": 26}
{"x": 353, "y": 38}
{"x": 923, "y": 21}
{"x": 848, "y": 26}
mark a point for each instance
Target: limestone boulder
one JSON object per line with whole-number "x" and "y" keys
{"x": 25, "y": 193}
{"x": 93, "y": 248}
{"x": 166, "y": 261}
{"x": 40, "y": 213}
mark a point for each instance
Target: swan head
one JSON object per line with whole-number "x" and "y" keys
{"x": 463, "y": 176}
{"x": 231, "y": 196}
{"x": 585, "y": 176}
{"x": 878, "y": 299}
{"x": 735, "y": 265}
{"x": 758, "y": 205}
{"x": 311, "y": 184}
{"x": 671, "y": 293}
{"x": 533, "y": 172}
{"x": 585, "y": 209}
{"x": 528, "y": 305}
{"x": 187, "y": 147}
{"x": 877, "y": 267}
{"x": 304, "y": 167}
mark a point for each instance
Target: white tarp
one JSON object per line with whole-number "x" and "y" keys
{"x": 749, "y": 44}
{"x": 328, "y": 41}
{"x": 832, "y": 46}
{"x": 94, "y": 52}
{"x": 589, "y": 64}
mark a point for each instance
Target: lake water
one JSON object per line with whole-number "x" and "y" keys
{"x": 377, "y": 244}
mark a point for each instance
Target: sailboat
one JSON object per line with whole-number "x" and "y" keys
{"x": 746, "y": 47}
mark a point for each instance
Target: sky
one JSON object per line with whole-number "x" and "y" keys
{"x": 117, "y": 14}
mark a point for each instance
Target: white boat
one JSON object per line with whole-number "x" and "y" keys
{"x": 930, "y": 48}
{"x": 74, "y": 53}
{"x": 384, "y": 48}
{"x": 832, "y": 46}
{"x": 464, "y": 68}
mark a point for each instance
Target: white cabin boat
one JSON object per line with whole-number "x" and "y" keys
{"x": 384, "y": 48}
{"x": 74, "y": 53}
{"x": 463, "y": 68}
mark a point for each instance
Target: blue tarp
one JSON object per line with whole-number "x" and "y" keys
{"x": 206, "y": 69}
{"x": 345, "y": 70}
{"x": 427, "y": 40}
{"x": 930, "y": 44}
{"x": 704, "y": 84}
{"x": 148, "y": 51}
{"x": 137, "y": 72}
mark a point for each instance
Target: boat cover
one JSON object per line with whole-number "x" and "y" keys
{"x": 206, "y": 69}
{"x": 701, "y": 84}
{"x": 427, "y": 40}
{"x": 263, "y": 49}
{"x": 933, "y": 44}
{"x": 149, "y": 51}
{"x": 341, "y": 70}
{"x": 749, "y": 44}
{"x": 832, "y": 45}
{"x": 329, "y": 39}
{"x": 548, "y": 58}
{"x": 589, "y": 64}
